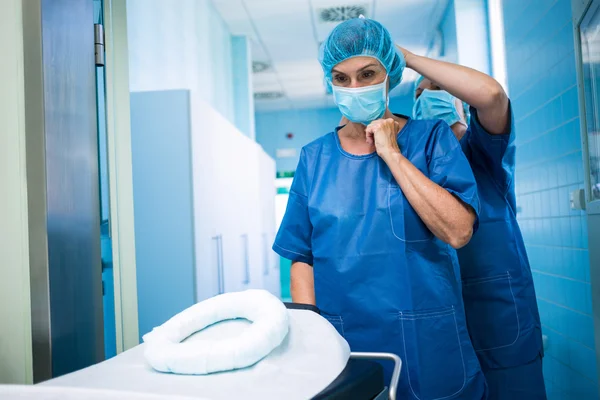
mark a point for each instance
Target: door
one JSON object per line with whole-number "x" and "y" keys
{"x": 589, "y": 79}
{"x": 71, "y": 180}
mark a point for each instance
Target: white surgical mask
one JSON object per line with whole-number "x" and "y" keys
{"x": 364, "y": 104}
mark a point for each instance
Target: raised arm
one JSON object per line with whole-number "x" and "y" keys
{"x": 479, "y": 90}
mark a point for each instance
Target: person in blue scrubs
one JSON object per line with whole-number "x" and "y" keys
{"x": 375, "y": 211}
{"x": 498, "y": 291}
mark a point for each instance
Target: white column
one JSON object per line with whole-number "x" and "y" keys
{"x": 243, "y": 96}
{"x": 472, "y": 34}
{"x": 15, "y": 304}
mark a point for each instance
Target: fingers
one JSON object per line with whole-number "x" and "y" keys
{"x": 370, "y": 132}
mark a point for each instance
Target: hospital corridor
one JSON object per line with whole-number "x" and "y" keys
{"x": 300, "y": 199}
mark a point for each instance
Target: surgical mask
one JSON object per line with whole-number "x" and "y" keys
{"x": 364, "y": 104}
{"x": 467, "y": 110}
{"x": 437, "y": 104}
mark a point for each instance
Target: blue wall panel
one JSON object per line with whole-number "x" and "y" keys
{"x": 542, "y": 82}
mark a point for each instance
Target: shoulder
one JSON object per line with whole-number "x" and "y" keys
{"x": 431, "y": 136}
{"x": 316, "y": 146}
{"x": 427, "y": 127}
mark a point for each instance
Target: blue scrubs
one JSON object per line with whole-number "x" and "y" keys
{"x": 500, "y": 304}
{"x": 381, "y": 277}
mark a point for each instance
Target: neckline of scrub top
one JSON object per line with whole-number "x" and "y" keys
{"x": 369, "y": 155}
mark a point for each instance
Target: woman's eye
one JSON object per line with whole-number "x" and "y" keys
{"x": 339, "y": 78}
{"x": 368, "y": 74}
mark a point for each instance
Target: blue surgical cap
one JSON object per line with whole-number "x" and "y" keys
{"x": 361, "y": 37}
{"x": 418, "y": 81}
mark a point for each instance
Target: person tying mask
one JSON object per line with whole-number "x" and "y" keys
{"x": 375, "y": 211}
{"x": 498, "y": 291}
{"x": 457, "y": 118}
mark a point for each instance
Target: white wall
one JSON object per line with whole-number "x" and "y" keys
{"x": 243, "y": 95}
{"x": 181, "y": 46}
{"x": 15, "y": 307}
{"x": 472, "y": 34}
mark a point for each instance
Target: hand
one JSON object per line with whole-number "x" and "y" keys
{"x": 383, "y": 134}
{"x": 407, "y": 54}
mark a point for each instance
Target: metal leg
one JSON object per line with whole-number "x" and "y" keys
{"x": 395, "y": 372}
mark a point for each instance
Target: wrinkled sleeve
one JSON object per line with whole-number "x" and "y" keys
{"x": 495, "y": 152}
{"x": 449, "y": 168}
{"x": 293, "y": 240}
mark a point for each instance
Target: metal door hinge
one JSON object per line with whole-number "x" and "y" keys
{"x": 99, "y": 44}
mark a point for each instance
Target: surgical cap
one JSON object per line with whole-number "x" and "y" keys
{"x": 361, "y": 37}
{"x": 418, "y": 81}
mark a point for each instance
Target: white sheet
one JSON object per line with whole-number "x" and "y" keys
{"x": 310, "y": 358}
{"x": 23, "y": 392}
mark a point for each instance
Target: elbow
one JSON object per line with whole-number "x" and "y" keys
{"x": 496, "y": 95}
{"x": 461, "y": 237}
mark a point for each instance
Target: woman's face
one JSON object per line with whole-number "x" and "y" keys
{"x": 425, "y": 84}
{"x": 358, "y": 72}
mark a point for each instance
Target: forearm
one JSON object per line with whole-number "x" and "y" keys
{"x": 446, "y": 216}
{"x": 476, "y": 88}
{"x": 302, "y": 283}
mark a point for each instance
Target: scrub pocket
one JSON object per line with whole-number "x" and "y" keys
{"x": 491, "y": 310}
{"x": 433, "y": 359}
{"x": 336, "y": 321}
{"x": 406, "y": 223}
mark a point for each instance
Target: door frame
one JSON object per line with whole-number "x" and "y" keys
{"x": 579, "y": 11}
{"x": 118, "y": 133}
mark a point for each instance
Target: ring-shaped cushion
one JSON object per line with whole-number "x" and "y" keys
{"x": 270, "y": 325}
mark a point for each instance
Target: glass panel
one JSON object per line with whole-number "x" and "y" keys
{"x": 590, "y": 46}
{"x": 110, "y": 345}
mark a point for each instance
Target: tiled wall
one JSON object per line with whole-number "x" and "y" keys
{"x": 542, "y": 85}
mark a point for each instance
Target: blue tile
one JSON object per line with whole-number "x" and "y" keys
{"x": 577, "y": 326}
{"x": 576, "y": 239}
{"x": 559, "y": 346}
{"x": 556, "y": 317}
{"x": 577, "y": 295}
{"x": 550, "y": 366}
{"x": 573, "y": 264}
{"x": 566, "y": 235}
{"x": 583, "y": 360}
{"x": 552, "y": 174}
{"x": 574, "y": 134}
{"x": 584, "y": 261}
{"x": 570, "y": 104}
{"x": 512, "y": 9}
{"x": 555, "y": 394}
{"x": 576, "y": 386}
{"x": 572, "y": 170}
{"x": 584, "y": 233}
{"x": 554, "y": 240}
{"x": 562, "y": 171}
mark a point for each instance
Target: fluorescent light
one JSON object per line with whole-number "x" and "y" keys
{"x": 497, "y": 44}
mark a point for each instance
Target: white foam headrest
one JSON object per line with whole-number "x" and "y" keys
{"x": 270, "y": 325}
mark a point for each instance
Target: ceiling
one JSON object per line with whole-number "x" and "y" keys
{"x": 285, "y": 37}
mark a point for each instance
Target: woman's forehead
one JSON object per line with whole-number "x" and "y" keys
{"x": 354, "y": 64}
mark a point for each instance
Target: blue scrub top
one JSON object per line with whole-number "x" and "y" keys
{"x": 498, "y": 292}
{"x": 381, "y": 277}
